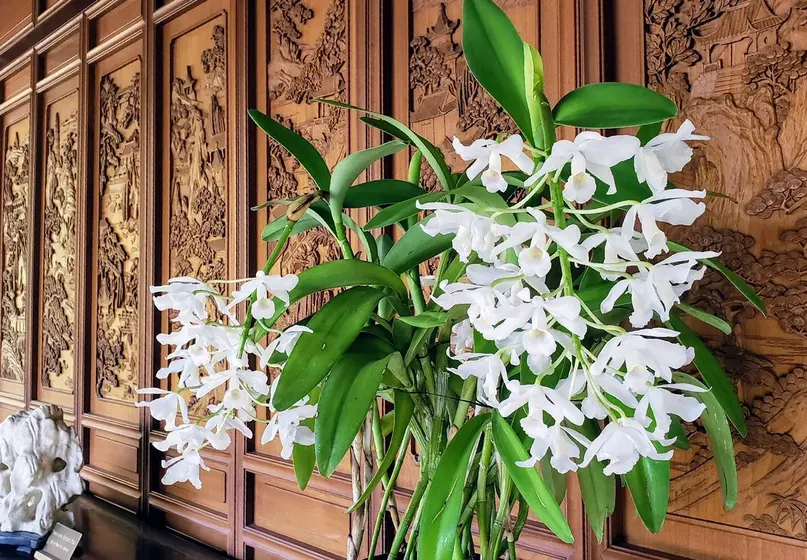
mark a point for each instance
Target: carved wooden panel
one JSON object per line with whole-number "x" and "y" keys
{"x": 14, "y": 253}
{"x": 738, "y": 70}
{"x": 196, "y": 197}
{"x": 59, "y": 265}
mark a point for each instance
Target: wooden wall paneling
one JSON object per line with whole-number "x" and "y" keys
{"x": 16, "y": 238}
{"x": 198, "y": 212}
{"x": 60, "y": 214}
{"x": 738, "y": 70}
{"x": 18, "y": 19}
{"x": 115, "y": 293}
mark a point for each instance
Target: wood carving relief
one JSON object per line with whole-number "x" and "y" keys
{"x": 118, "y": 251}
{"x": 59, "y": 245}
{"x": 308, "y": 54}
{"x": 14, "y": 255}
{"x": 738, "y": 69}
{"x": 198, "y": 133}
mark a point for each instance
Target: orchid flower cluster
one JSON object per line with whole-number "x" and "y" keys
{"x": 549, "y": 339}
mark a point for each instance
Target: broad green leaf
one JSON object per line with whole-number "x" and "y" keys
{"x": 346, "y": 397}
{"x": 712, "y": 373}
{"x": 426, "y": 319}
{"x": 738, "y": 282}
{"x": 300, "y": 148}
{"x": 366, "y": 239}
{"x": 400, "y": 211}
{"x": 442, "y": 502}
{"x": 399, "y": 130}
{"x": 271, "y": 232}
{"x": 348, "y": 170}
{"x": 598, "y": 489}
{"x": 534, "y": 88}
{"x": 303, "y": 456}
{"x": 649, "y": 131}
{"x": 380, "y": 192}
{"x": 704, "y": 317}
{"x": 415, "y": 247}
{"x": 495, "y": 56}
{"x": 334, "y": 327}
{"x": 529, "y": 483}
{"x": 719, "y": 433}
{"x": 384, "y": 243}
{"x": 404, "y": 408}
{"x": 613, "y": 105}
{"x": 677, "y": 432}
{"x": 649, "y": 485}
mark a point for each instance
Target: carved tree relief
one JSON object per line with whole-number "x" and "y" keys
{"x": 738, "y": 69}
{"x": 59, "y": 245}
{"x": 14, "y": 256}
{"x": 308, "y": 54}
{"x": 118, "y": 251}
{"x": 198, "y": 179}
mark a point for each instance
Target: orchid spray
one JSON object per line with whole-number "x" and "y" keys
{"x": 550, "y": 339}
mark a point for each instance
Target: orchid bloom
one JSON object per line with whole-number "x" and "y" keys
{"x": 487, "y": 159}
{"x": 673, "y": 206}
{"x": 166, "y": 407}
{"x": 666, "y": 153}
{"x": 622, "y": 442}
{"x": 472, "y": 231}
{"x": 592, "y": 155}
{"x": 265, "y": 287}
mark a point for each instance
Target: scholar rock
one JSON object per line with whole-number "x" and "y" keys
{"x": 40, "y": 460}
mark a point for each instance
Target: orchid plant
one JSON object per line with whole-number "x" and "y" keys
{"x": 549, "y": 340}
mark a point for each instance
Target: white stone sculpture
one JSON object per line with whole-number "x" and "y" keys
{"x": 40, "y": 460}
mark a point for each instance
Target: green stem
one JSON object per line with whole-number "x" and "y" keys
{"x": 414, "y": 505}
{"x": 506, "y": 488}
{"x": 482, "y": 506}
{"x": 267, "y": 268}
{"x": 389, "y": 487}
{"x": 468, "y": 391}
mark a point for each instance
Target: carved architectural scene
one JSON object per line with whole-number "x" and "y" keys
{"x": 307, "y": 59}
{"x": 59, "y": 245}
{"x": 118, "y": 251}
{"x": 14, "y": 253}
{"x": 443, "y": 93}
{"x": 738, "y": 69}
{"x": 198, "y": 139}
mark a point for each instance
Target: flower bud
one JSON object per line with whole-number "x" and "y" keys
{"x": 298, "y": 207}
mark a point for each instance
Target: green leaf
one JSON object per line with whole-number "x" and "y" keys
{"x": 348, "y": 170}
{"x": 303, "y": 456}
{"x": 334, "y": 327}
{"x": 402, "y": 210}
{"x": 712, "y": 373}
{"x": 677, "y": 432}
{"x": 442, "y": 503}
{"x": 404, "y": 408}
{"x": 426, "y": 319}
{"x": 738, "y": 282}
{"x": 597, "y": 488}
{"x": 613, "y": 105}
{"x": 271, "y": 232}
{"x": 649, "y": 131}
{"x": 415, "y": 247}
{"x": 529, "y": 483}
{"x": 495, "y": 56}
{"x": 381, "y": 192}
{"x": 341, "y": 273}
{"x": 399, "y": 130}
{"x": 719, "y": 433}
{"x": 300, "y": 148}
{"x": 534, "y": 89}
{"x": 346, "y": 397}
{"x": 705, "y": 317}
{"x": 649, "y": 485}
{"x": 629, "y": 187}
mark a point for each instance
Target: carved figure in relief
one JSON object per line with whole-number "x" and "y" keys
{"x": 59, "y": 263}
{"x": 441, "y": 83}
{"x": 738, "y": 68}
{"x": 118, "y": 237}
{"x": 14, "y": 256}
{"x": 40, "y": 460}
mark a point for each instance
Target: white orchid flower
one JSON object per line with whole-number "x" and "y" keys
{"x": 641, "y": 351}
{"x": 666, "y": 153}
{"x": 618, "y": 250}
{"x": 622, "y": 442}
{"x": 664, "y": 403}
{"x": 184, "y": 468}
{"x": 265, "y": 287}
{"x": 283, "y": 344}
{"x": 286, "y": 424}
{"x": 166, "y": 407}
{"x": 592, "y": 155}
{"x": 472, "y": 231}
{"x": 673, "y": 206}
{"x": 538, "y": 234}
{"x": 188, "y": 296}
{"x": 562, "y": 443}
{"x": 182, "y": 437}
{"x": 488, "y": 368}
{"x": 487, "y": 159}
